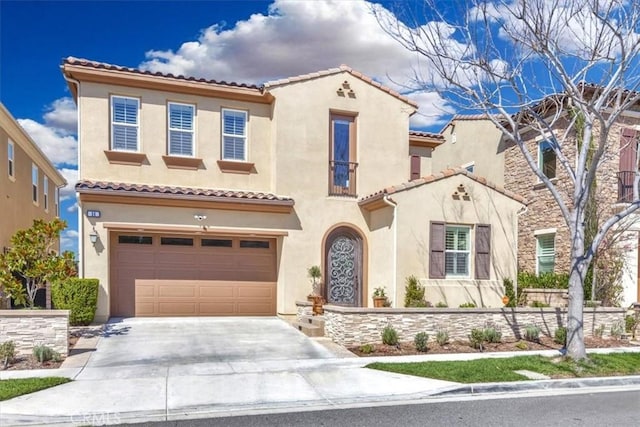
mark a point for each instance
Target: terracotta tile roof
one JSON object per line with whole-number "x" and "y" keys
{"x": 437, "y": 177}
{"x": 102, "y": 65}
{"x": 85, "y": 186}
{"x": 340, "y": 69}
{"x": 466, "y": 117}
{"x": 425, "y": 134}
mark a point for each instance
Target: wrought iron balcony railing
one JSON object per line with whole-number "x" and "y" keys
{"x": 342, "y": 179}
{"x": 625, "y": 186}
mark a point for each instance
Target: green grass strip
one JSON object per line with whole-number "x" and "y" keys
{"x": 19, "y": 386}
{"x": 501, "y": 370}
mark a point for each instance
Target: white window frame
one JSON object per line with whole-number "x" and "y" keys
{"x": 191, "y": 131}
{"x": 469, "y": 251}
{"x": 35, "y": 176}
{"x": 540, "y": 159}
{"x": 471, "y": 165}
{"x": 57, "y": 201}
{"x": 539, "y": 236}
{"x": 114, "y": 123}
{"x": 245, "y": 136}
{"x": 45, "y": 192}
{"x": 11, "y": 159}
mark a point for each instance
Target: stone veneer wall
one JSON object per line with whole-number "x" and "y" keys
{"x": 28, "y": 328}
{"x": 304, "y": 308}
{"x": 542, "y": 210}
{"x": 553, "y": 297}
{"x": 356, "y": 326}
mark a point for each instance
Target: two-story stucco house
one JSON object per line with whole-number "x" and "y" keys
{"x": 29, "y": 182}
{"x": 543, "y": 242}
{"x": 200, "y": 197}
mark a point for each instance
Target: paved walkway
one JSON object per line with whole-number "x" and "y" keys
{"x": 236, "y": 376}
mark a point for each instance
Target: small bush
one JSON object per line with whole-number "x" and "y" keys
{"x": 492, "y": 335}
{"x": 420, "y": 341}
{"x": 366, "y": 348}
{"x": 509, "y": 292}
{"x": 467, "y": 305}
{"x": 617, "y": 330}
{"x": 631, "y": 323}
{"x": 599, "y": 331}
{"x": 442, "y": 337}
{"x": 532, "y": 333}
{"x": 539, "y": 304}
{"x": 414, "y": 293}
{"x": 42, "y": 353}
{"x": 544, "y": 280}
{"x": 521, "y": 345}
{"x": 441, "y": 304}
{"x": 476, "y": 338}
{"x": 389, "y": 335}
{"x": 79, "y": 296}
{"x": 560, "y": 336}
{"x": 7, "y": 353}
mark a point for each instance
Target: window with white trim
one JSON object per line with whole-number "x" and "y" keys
{"x": 125, "y": 123}
{"x": 457, "y": 251}
{"x": 57, "y": 201}
{"x": 11, "y": 159}
{"x": 545, "y": 253}
{"x": 45, "y": 189}
{"x": 234, "y": 135}
{"x": 34, "y": 182}
{"x": 181, "y": 129}
{"x": 547, "y": 159}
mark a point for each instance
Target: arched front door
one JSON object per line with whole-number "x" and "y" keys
{"x": 343, "y": 265}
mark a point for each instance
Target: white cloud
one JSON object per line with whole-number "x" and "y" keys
{"x": 295, "y": 37}
{"x": 62, "y": 115}
{"x": 433, "y": 109}
{"x": 69, "y": 240}
{"x": 59, "y": 147}
{"x": 71, "y": 175}
{"x": 73, "y": 208}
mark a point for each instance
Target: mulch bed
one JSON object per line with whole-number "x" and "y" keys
{"x": 546, "y": 343}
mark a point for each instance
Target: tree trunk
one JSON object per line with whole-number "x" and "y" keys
{"x": 575, "y": 318}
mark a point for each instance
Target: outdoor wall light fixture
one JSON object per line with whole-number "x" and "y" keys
{"x": 93, "y": 236}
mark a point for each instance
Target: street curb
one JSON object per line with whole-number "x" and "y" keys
{"x": 535, "y": 385}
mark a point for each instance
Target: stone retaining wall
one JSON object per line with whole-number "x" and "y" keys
{"x": 29, "y": 328}
{"x": 303, "y": 308}
{"x": 355, "y": 326}
{"x": 553, "y": 297}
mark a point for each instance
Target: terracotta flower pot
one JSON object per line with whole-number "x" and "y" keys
{"x": 378, "y": 302}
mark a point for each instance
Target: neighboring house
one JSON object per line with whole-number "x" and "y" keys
{"x": 29, "y": 182}
{"x": 200, "y": 197}
{"x": 474, "y": 143}
{"x": 543, "y": 243}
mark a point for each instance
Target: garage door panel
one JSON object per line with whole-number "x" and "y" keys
{"x": 176, "y": 280}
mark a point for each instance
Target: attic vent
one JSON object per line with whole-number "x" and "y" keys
{"x": 460, "y": 193}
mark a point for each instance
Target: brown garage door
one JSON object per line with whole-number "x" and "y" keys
{"x": 174, "y": 275}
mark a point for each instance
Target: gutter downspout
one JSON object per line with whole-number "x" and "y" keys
{"x": 394, "y": 284}
{"x": 515, "y": 279}
{"x": 80, "y": 224}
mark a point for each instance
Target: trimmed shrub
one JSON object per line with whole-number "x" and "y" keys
{"x": 509, "y": 292}
{"x": 560, "y": 336}
{"x": 7, "y": 353}
{"x": 414, "y": 293}
{"x": 366, "y": 348}
{"x": 441, "y": 304}
{"x": 492, "y": 335}
{"x": 389, "y": 335}
{"x": 79, "y": 296}
{"x": 420, "y": 341}
{"x": 476, "y": 338}
{"x": 617, "y": 330}
{"x": 42, "y": 353}
{"x": 532, "y": 333}
{"x": 539, "y": 304}
{"x": 467, "y": 305}
{"x": 442, "y": 337}
{"x": 631, "y": 323}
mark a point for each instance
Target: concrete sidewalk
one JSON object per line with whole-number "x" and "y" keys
{"x": 138, "y": 393}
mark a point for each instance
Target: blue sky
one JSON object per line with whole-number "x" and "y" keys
{"x": 245, "y": 41}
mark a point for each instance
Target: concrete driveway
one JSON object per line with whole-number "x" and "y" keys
{"x": 166, "y": 342}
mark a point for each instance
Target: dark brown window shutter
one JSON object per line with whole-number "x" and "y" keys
{"x": 483, "y": 252}
{"x": 436, "y": 250}
{"x": 628, "y": 147}
{"x": 415, "y": 167}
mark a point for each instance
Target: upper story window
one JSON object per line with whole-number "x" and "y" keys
{"x": 547, "y": 159}
{"x": 57, "y": 201}
{"x": 181, "y": 129}
{"x": 457, "y": 251}
{"x": 125, "y": 123}
{"x": 34, "y": 182}
{"x": 45, "y": 189}
{"x": 546, "y": 253}
{"x": 234, "y": 135}
{"x": 342, "y": 159}
{"x": 11, "y": 159}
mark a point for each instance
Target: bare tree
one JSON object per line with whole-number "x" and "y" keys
{"x": 563, "y": 69}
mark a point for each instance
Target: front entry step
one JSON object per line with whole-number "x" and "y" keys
{"x": 312, "y": 326}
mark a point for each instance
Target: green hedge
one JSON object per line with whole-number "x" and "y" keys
{"x": 80, "y": 296}
{"x": 544, "y": 281}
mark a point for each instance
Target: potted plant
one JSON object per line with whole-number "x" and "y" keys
{"x": 315, "y": 297}
{"x": 379, "y": 297}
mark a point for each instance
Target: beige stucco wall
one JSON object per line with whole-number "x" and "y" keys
{"x": 17, "y": 208}
{"x": 434, "y": 202}
{"x": 476, "y": 141}
{"x": 95, "y": 139}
